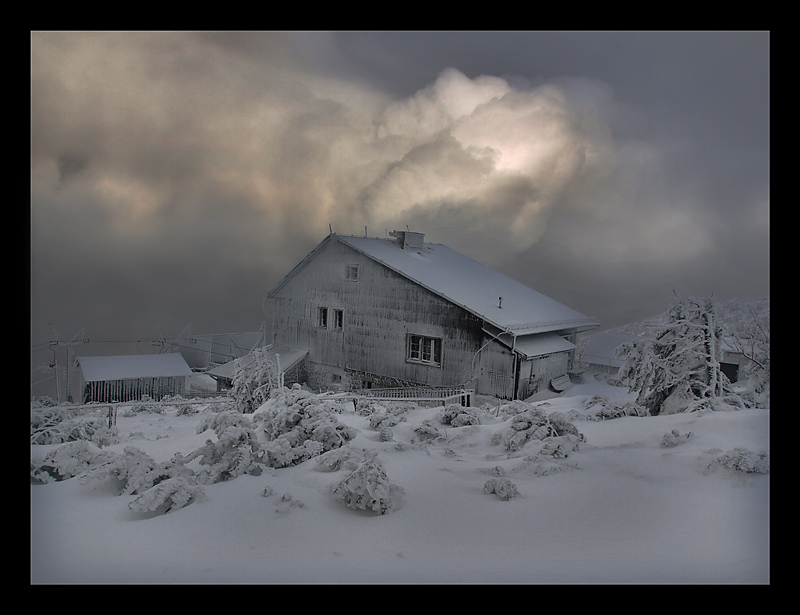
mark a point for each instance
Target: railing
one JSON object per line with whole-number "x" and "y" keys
{"x": 421, "y": 394}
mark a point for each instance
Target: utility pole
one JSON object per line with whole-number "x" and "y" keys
{"x": 70, "y": 345}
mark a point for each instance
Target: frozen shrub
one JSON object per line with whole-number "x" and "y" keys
{"x": 69, "y": 460}
{"x": 171, "y": 494}
{"x": 742, "y": 460}
{"x": 601, "y": 409}
{"x": 235, "y": 452}
{"x": 135, "y": 470}
{"x": 146, "y": 404}
{"x": 426, "y": 432}
{"x": 559, "y": 447}
{"x": 534, "y": 424}
{"x": 59, "y": 425}
{"x": 503, "y": 488}
{"x": 298, "y": 426}
{"x": 674, "y": 438}
{"x": 366, "y": 487}
{"x": 254, "y": 378}
{"x": 458, "y": 416}
{"x": 346, "y": 457}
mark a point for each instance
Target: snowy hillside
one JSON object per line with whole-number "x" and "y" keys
{"x": 479, "y": 498}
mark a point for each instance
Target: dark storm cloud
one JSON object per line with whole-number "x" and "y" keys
{"x": 177, "y": 176}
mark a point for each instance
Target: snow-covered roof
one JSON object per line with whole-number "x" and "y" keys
{"x": 490, "y": 295}
{"x": 538, "y": 345}
{"x": 288, "y": 358}
{"x": 124, "y": 367}
{"x": 601, "y": 348}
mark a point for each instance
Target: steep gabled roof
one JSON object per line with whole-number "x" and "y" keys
{"x": 490, "y": 295}
{"x": 125, "y": 367}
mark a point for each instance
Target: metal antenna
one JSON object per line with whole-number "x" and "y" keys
{"x": 77, "y": 340}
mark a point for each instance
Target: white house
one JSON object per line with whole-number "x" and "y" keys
{"x": 396, "y": 311}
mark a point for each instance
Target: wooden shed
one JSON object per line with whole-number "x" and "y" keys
{"x": 129, "y": 377}
{"x": 396, "y": 311}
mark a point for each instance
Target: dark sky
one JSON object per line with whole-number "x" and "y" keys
{"x": 177, "y": 176}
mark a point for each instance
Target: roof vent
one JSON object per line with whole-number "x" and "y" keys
{"x": 408, "y": 240}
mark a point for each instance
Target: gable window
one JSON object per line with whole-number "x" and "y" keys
{"x": 322, "y": 317}
{"x": 338, "y": 319}
{"x": 352, "y": 273}
{"x": 424, "y": 349}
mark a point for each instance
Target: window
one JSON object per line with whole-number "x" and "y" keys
{"x": 322, "y": 317}
{"x": 338, "y": 319}
{"x": 352, "y": 273}
{"x": 422, "y": 349}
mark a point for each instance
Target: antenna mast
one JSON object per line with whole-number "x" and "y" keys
{"x": 75, "y": 341}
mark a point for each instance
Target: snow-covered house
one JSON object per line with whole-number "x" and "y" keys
{"x": 396, "y": 311}
{"x": 286, "y": 360}
{"x": 128, "y": 377}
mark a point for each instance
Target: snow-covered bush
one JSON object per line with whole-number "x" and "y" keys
{"x": 426, "y": 432}
{"x": 741, "y": 460}
{"x": 298, "y": 425}
{"x": 236, "y": 451}
{"x": 366, "y": 487}
{"x": 135, "y": 471}
{"x": 458, "y": 416}
{"x": 600, "y": 408}
{"x": 503, "y": 488}
{"x": 674, "y": 438}
{"x": 144, "y": 405}
{"x": 254, "y": 377}
{"x": 64, "y": 424}
{"x": 171, "y": 494}
{"x": 69, "y": 460}
{"x": 535, "y": 424}
{"x": 344, "y": 458}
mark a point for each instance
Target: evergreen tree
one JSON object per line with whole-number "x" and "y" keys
{"x": 679, "y": 364}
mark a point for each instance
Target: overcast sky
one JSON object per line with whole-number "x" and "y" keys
{"x": 177, "y": 176}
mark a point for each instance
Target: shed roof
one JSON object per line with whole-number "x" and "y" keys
{"x": 288, "y": 358}
{"x": 124, "y": 367}
{"x": 490, "y": 295}
{"x": 538, "y": 345}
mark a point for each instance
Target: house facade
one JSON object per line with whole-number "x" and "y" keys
{"x": 396, "y": 311}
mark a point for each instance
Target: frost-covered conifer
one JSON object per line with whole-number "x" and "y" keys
{"x": 366, "y": 487}
{"x": 298, "y": 426}
{"x": 679, "y": 363}
{"x": 236, "y": 450}
{"x": 254, "y": 376}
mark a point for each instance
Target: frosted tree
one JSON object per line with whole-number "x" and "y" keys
{"x": 752, "y": 340}
{"x": 254, "y": 376}
{"x": 679, "y": 364}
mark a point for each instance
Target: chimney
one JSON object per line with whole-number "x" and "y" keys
{"x": 408, "y": 240}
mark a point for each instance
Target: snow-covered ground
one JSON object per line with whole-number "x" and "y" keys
{"x": 622, "y": 508}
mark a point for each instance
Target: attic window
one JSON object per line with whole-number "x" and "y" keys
{"x": 425, "y": 350}
{"x": 352, "y": 273}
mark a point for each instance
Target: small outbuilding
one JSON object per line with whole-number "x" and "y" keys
{"x": 130, "y": 377}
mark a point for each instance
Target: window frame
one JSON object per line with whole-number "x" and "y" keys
{"x": 322, "y": 317}
{"x": 338, "y": 320}
{"x": 424, "y": 349}
{"x": 351, "y": 272}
